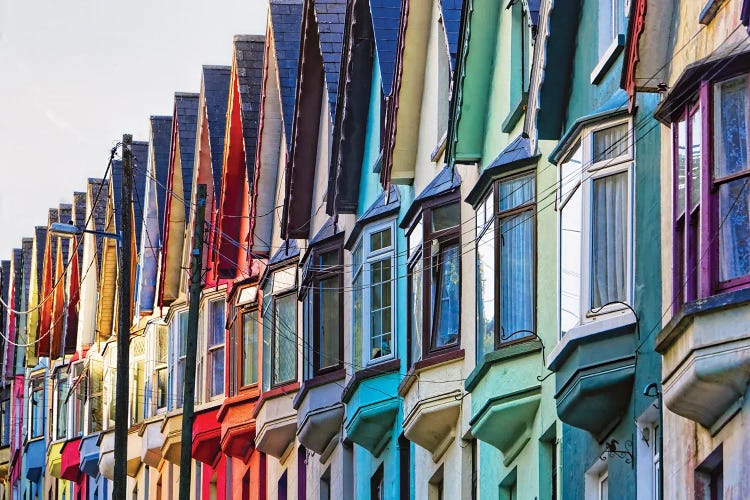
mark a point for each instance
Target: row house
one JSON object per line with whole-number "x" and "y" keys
{"x": 430, "y": 266}
{"x": 694, "y": 61}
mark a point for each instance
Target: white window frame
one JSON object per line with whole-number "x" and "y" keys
{"x": 594, "y": 478}
{"x": 177, "y": 376}
{"x": 56, "y": 395}
{"x": 88, "y": 427}
{"x": 204, "y": 368}
{"x": 77, "y": 410}
{"x": 158, "y": 368}
{"x": 584, "y": 180}
{"x": 362, "y": 271}
{"x": 648, "y": 455}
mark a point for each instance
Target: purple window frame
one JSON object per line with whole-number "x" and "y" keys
{"x": 707, "y": 254}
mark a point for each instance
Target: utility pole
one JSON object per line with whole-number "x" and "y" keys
{"x": 191, "y": 344}
{"x": 123, "y": 325}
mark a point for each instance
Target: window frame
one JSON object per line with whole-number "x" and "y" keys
{"x": 275, "y": 298}
{"x": 36, "y": 410}
{"x": 362, "y": 271}
{"x": 243, "y": 311}
{"x": 586, "y": 175}
{"x": 318, "y": 275}
{"x": 178, "y": 340}
{"x": 80, "y": 396}
{"x": 60, "y": 395}
{"x": 707, "y": 281}
{"x": 160, "y": 367}
{"x": 423, "y": 253}
{"x": 493, "y": 216}
{"x": 204, "y": 366}
{"x": 95, "y": 396}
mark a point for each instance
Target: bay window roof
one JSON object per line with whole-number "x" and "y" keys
{"x": 446, "y": 181}
{"x": 388, "y": 203}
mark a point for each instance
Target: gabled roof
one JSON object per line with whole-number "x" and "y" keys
{"x": 79, "y": 217}
{"x": 65, "y": 214}
{"x": 161, "y": 130}
{"x": 451, "y": 10}
{"x": 386, "y": 15}
{"x": 140, "y": 156}
{"x": 286, "y": 23}
{"x": 40, "y": 236}
{"x": 4, "y": 289}
{"x": 53, "y": 215}
{"x": 249, "y": 51}
{"x": 17, "y": 265}
{"x": 100, "y": 188}
{"x": 351, "y": 119}
{"x": 444, "y": 182}
{"x": 516, "y": 154}
{"x": 186, "y": 118}
{"x": 27, "y": 251}
{"x": 330, "y": 16}
{"x": 216, "y": 96}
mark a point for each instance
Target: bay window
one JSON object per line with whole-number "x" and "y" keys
{"x": 595, "y": 224}
{"x": 178, "y": 344}
{"x": 244, "y": 342}
{"x": 711, "y": 197}
{"x": 80, "y": 392}
{"x": 249, "y": 343}
{"x": 5, "y": 413}
{"x": 211, "y": 344}
{"x": 373, "y": 287}
{"x": 61, "y": 403}
{"x": 505, "y": 263}
{"x": 434, "y": 278}
{"x": 161, "y": 370}
{"x": 325, "y": 305}
{"x": 37, "y": 406}
{"x": 280, "y": 328}
{"x": 96, "y": 395}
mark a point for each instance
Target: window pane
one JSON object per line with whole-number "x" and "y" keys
{"x": 517, "y": 276}
{"x": 570, "y": 262}
{"x": 249, "y": 348}
{"x": 609, "y": 221}
{"x": 734, "y": 233}
{"x": 446, "y": 216}
{"x": 328, "y": 259}
{"x": 285, "y": 347}
{"x": 570, "y": 173}
{"x": 445, "y": 293}
{"x": 328, "y": 341}
{"x": 695, "y": 159}
{"x": 358, "y": 319}
{"x": 415, "y": 310}
{"x": 611, "y": 142}
{"x": 730, "y": 127}
{"x": 486, "y": 292}
{"x": 415, "y": 238}
{"x": 62, "y": 407}
{"x": 681, "y": 166}
{"x": 267, "y": 314}
{"x": 218, "y": 324}
{"x": 217, "y": 371}
{"x": 381, "y": 332}
{"x": 516, "y": 192}
{"x": 161, "y": 388}
{"x": 380, "y": 240}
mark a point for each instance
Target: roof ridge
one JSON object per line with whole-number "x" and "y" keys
{"x": 249, "y": 38}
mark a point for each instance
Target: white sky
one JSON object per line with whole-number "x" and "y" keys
{"x": 75, "y": 75}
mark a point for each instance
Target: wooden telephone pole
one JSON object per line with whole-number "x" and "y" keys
{"x": 188, "y": 400}
{"x": 123, "y": 326}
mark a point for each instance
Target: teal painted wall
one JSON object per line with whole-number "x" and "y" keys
{"x": 377, "y": 389}
{"x": 579, "y": 449}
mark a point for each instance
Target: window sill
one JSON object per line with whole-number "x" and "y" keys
{"x": 609, "y": 325}
{"x": 281, "y": 390}
{"x": 607, "y": 59}
{"x": 709, "y": 11}
{"x": 682, "y": 319}
{"x": 317, "y": 381}
{"x": 371, "y": 371}
{"x": 515, "y": 114}
{"x": 430, "y": 362}
{"x": 519, "y": 349}
{"x": 238, "y": 399}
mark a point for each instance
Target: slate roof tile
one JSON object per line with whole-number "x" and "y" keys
{"x": 451, "y": 10}
{"x": 27, "y": 251}
{"x": 161, "y": 137}
{"x": 215, "y": 84}
{"x": 287, "y": 250}
{"x": 249, "y": 51}
{"x": 331, "y": 16}
{"x": 40, "y": 236}
{"x": 65, "y": 215}
{"x": 385, "y": 23}
{"x": 79, "y": 218}
{"x": 4, "y": 289}
{"x": 17, "y": 265}
{"x": 98, "y": 187}
{"x": 186, "y": 116}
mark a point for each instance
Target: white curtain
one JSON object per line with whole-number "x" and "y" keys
{"x": 609, "y": 239}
